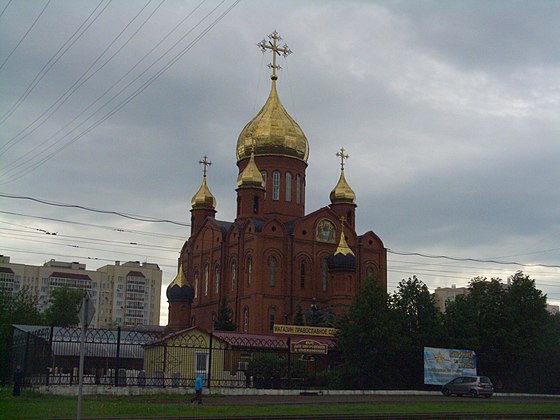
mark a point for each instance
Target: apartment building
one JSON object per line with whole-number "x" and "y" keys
{"x": 122, "y": 294}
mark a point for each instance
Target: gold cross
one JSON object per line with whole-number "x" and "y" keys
{"x": 206, "y": 163}
{"x": 342, "y": 220}
{"x": 268, "y": 45}
{"x": 342, "y": 157}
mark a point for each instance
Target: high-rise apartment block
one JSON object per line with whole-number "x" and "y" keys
{"x": 123, "y": 294}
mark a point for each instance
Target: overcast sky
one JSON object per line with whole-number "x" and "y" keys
{"x": 449, "y": 110}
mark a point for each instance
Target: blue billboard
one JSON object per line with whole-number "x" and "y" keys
{"x": 442, "y": 365}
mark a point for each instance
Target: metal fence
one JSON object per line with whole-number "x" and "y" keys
{"x": 50, "y": 356}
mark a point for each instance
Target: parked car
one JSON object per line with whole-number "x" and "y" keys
{"x": 471, "y": 385}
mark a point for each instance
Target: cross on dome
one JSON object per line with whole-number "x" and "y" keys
{"x": 276, "y": 50}
{"x": 342, "y": 157}
{"x": 204, "y": 161}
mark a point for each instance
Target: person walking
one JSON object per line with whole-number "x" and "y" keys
{"x": 18, "y": 380}
{"x": 197, "y": 389}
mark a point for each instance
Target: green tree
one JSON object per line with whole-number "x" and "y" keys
{"x": 21, "y": 308}
{"x": 420, "y": 325}
{"x": 298, "y": 318}
{"x": 64, "y": 306}
{"x": 224, "y": 320}
{"x": 368, "y": 340}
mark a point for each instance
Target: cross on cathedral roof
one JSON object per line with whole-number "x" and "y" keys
{"x": 275, "y": 49}
{"x": 342, "y": 157}
{"x": 205, "y": 162}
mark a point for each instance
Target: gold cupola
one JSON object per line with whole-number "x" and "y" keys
{"x": 250, "y": 177}
{"x": 343, "y": 247}
{"x": 342, "y": 193}
{"x": 272, "y": 131}
{"x": 203, "y": 197}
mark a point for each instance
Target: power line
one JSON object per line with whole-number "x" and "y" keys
{"x": 126, "y": 215}
{"x": 25, "y": 35}
{"x": 82, "y": 79}
{"x": 125, "y": 101}
{"x": 5, "y": 7}
{"x": 53, "y": 60}
{"x": 417, "y": 254}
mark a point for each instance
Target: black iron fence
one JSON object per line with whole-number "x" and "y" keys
{"x": 50, "y": 356}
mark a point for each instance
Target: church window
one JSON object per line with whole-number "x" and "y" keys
{"x": 324, "y": 273}
{"x": 233, "y": 277}
{"x": 272, "y": 264}
{"x": 298, "y": 189}
{"x": 246, "y": 319}
{"x": 263, "y": 173}
{"x": 369, "y": 272}
{"x": 302, "y": 275}
{"x": 288, "y": 186}
{"x": 196, "y": 285}
{"x": 276, "y": 185}
{"x": 193, "y": 320}
{"x": 206, "y": 280}
{"x": 217, "y": 279}
{"x": 249, "y": 271}
{"x": 271, "y": 318}
{"x": 255, "y": 204}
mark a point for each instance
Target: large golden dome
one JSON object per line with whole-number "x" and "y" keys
{"x": 272, "y": 132}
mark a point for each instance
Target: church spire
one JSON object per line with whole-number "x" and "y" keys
{"x": 203, "y": 197}
{"x": 342, "y": 193}
{"x": 343, "y": 247}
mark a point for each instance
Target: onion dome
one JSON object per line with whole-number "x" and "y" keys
{"x": 250, "y": 177}
{"x": 342, "y": 193}
{"x": 203, "y": 197}
{"x": 343, "y": 258}
{"x": 272, "y": 132}
{"x": 179, "y": 290}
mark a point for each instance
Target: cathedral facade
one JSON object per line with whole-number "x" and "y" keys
{"x": 273, "y": 260}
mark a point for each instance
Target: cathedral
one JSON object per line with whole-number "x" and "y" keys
{"x": 274, "y": 260}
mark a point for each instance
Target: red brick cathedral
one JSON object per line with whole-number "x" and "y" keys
{"x": 273, "y": 260}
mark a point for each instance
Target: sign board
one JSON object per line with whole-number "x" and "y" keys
{"x": 309, "y": 347}
{"x": 304, "y": 330}
{"x": 87, "y": 311}
{"x": 442, "y": 365}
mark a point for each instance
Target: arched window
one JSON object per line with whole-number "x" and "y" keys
{"x": 233, "y": 276}
{"x": 217, "y": 279}
{"x": 324, "y": 273}
{"x": 298, "y": 189}
{"x": 263, "y": 173}
{"x": 245, "y": 319}
{"x": 272, "y": 264}
{"x": 196, "y": 284}
{"x": 206, "y": 280}
{"x": 288, "y": 186}
{"x": 249, "y": 271}
{"x": 276, "y": 185}
{"x": 271, "y": 318}
{"x": 302, "y": 275}
{"x": 369, "y": 272}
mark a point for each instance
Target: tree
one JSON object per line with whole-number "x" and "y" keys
{"x": 64, "y": 306}
{"x": 21, "y": 308}
{"x": 368, "y": 341}
{"x": 420, "y": 325}
{"x": 224, "y": 321}
{"x": 319, "y": 317}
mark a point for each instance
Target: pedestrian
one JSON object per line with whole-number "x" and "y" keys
{"x": 18, "y": 380}
{"x": 197, "y": 389}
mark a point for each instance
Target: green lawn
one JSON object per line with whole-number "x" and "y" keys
{"x": 34, "y": 406}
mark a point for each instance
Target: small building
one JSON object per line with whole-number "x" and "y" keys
{"x": 444, "y": 295}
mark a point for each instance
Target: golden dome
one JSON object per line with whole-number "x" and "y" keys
{"x": 343, "y": 247}
{"x": 203, "y": 198}
{"x": 251, "y": 177}
{"x": 342, "y": 193}
{"x": 272, "y": 132}
{"x": 179, "y": 280}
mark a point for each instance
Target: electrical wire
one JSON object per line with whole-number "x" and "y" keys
{"x": 25, "y": 35}
{"x": 126, "y": 100}
{"x": 5, "y": 7}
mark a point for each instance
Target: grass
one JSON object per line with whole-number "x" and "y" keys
{"x": 31, "y": 405}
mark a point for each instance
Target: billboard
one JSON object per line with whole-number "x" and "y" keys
{"x": 442, "y": 365}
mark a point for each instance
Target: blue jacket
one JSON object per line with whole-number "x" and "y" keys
{"x": 198, "y": 383}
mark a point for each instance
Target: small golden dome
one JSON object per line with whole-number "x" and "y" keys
{"x": 342, "y": 193}
{"x": 250, "y": 177}
{"x": 343, "y": 247}
{"x": 203, "y": 198}
{"x": 272, "y": 132}
{"x": 179, "y": 280}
